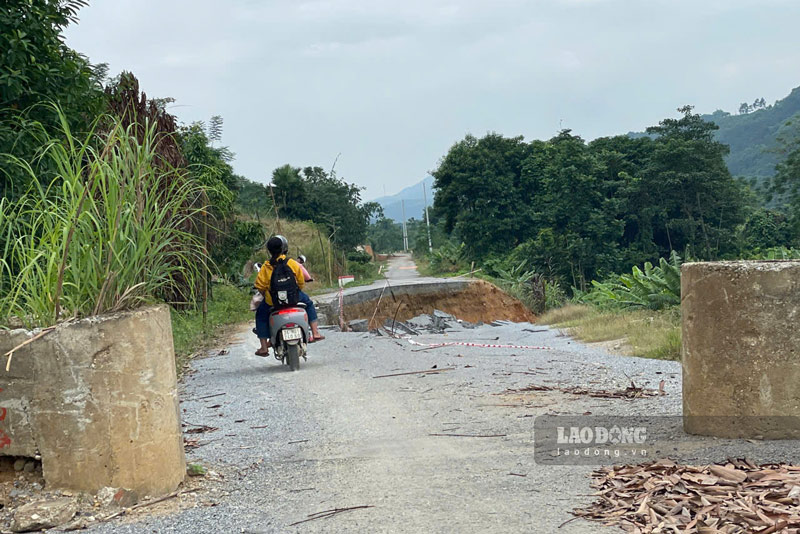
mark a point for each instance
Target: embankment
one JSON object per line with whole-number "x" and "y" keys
{"x": 470, "y": 300}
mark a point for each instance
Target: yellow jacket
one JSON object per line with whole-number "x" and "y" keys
{"x": 265, "y": 276}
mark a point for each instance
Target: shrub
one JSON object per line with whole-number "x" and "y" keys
{"x": 654, "y": 288}
{"x": 113, "y": 229}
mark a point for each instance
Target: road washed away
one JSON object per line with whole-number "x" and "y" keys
{"x": 378, "y": 434}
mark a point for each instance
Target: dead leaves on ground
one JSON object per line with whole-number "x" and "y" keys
{"x": 663, "y": 497}
{"x": 631, "y": 392}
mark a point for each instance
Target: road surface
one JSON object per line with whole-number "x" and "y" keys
{"x": 332, "y": 435}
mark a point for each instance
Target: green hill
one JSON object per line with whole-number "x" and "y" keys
{"x": 754, "y": 137}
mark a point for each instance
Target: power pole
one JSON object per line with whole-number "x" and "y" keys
{"x": 405, "y": 229}
{"x": 427, "y": 220}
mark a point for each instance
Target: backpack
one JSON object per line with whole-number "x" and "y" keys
{"x": 283, "y": 286}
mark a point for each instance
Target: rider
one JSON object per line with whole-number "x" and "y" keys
{"x": 278, "y": 246}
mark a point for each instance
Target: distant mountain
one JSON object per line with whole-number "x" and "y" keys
{"x": 754, "y": 136}
{"x": 414, "y": 203}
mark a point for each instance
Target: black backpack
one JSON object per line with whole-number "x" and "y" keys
{"x": 283, "y": 286}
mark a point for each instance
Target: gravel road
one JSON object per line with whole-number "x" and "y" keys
{"x": 362, "y": 440}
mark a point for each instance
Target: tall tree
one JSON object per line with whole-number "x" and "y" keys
{"x": 36, "y": 67}
{"x": 699, "y": 203}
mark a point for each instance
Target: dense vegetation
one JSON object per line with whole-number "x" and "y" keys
{"x": 107, "y": 202}
{"x": 757, "y": 135}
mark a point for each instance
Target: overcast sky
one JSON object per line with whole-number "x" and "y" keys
{"x": 393, "y": 84}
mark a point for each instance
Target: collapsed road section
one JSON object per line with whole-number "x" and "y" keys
{"x": 475, "y": 301}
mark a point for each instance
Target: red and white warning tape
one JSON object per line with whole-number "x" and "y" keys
{"x": 341, "y": 308}
{"x": 484, "y": 345}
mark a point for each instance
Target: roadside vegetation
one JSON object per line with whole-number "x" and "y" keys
{"x": 107, "y": 202}
{"x": 591, "y": 236}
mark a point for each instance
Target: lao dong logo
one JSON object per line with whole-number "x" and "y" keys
{"x": 598, "y": 435}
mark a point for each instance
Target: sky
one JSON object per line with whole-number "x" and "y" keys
{"x": 392, "y": 84}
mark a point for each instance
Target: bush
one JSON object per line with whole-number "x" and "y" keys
{"x": 449, "y": 258}
{"x": 113, "y": 229}
{"x": 656, "y": 288}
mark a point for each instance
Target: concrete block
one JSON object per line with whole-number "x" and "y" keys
{"x": 741, "y": 349}
{"x": 97, "y": 399}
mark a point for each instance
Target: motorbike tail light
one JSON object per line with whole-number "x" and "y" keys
{"x": 291, "y": 325}
{"x": 288, "y": 310}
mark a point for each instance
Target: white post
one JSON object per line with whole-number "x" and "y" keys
{"x": 405, "y": 229}
{"x": 427, "y": 220}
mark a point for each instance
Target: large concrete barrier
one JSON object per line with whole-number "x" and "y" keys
{"x": 97, "y": 400}
{"x": 741, "y": 348}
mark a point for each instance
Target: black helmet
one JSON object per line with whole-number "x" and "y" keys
{"x": 277, "y": 245}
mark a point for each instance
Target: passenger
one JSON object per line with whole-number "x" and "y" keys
{"x": 302, "y": 261}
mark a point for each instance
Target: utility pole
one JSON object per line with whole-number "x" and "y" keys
{"x": 427, "y": 220}
{"x": 405, "y": 229}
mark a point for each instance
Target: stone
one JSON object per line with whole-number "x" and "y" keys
{"x": 740, "y": 349}
{"x": 105, "y": 496}
{"x": 358, "y": 325}
{"x": 19, "y": 464}
{"x": 125, "y": 498}
{"x": 30, "y": 466}
{"x": 43, "y": 514}
{"x": 98, "y": 399}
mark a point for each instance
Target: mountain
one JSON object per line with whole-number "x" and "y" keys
{"x": 754, "y": 136}
{"x": 414, "y": 203}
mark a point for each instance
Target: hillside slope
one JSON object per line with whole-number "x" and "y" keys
{"x": 754, "y": 137}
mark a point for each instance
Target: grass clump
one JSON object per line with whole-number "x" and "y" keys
{"x": 650, "y": 334}
{"x": 110, "y": 227}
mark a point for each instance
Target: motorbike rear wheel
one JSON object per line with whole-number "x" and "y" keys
{"x": 293, "y": 357}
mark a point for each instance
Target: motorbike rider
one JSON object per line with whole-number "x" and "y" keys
{"x": 278, "y": 247}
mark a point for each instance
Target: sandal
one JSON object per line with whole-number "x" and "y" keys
{"x": 262, "y": 352}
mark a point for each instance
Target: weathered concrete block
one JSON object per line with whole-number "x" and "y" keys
{"x": 98, "y": 400}
{"x": 741, "y": 348}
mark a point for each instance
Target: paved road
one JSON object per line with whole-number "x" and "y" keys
{"x": 401, "y": 267}
{"x": 332, "y": 435}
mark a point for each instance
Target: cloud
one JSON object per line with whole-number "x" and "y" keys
{"x": 393, "y": 83}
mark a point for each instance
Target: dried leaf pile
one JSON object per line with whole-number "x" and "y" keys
{"x": 663, "y": 497}
{"x": 631, "y": 392}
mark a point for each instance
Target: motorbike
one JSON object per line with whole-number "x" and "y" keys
{"x": 289, "y": 331}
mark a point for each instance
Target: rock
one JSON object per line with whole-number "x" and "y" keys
{"x": 18, "y": 493}
{"x": 43, "y": 514}
{"x": 126, "y": 498}
{"x": 105, "y": 496}
{"x": 196, "y": 470}
{"x": 30, "y": 466}
{"x": 19, "y": 465}
{"x": 358, "y": 325}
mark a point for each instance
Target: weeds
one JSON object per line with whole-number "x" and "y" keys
{"x": 112, "y": 230}
{"x": 650, "y": 334}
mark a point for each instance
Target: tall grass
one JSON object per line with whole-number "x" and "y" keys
{"x": 112, "y": 228}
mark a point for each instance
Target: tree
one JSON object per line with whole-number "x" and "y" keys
{"x": 290, "y": 193}
{"x": 385, "y": 235}
{"x": 786, "y": 187}
{"x": 744, "y": 108}
{"x": 699, "y": 203}
{"x": 475, "y": 184}
{"x": 36, "y": 67}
